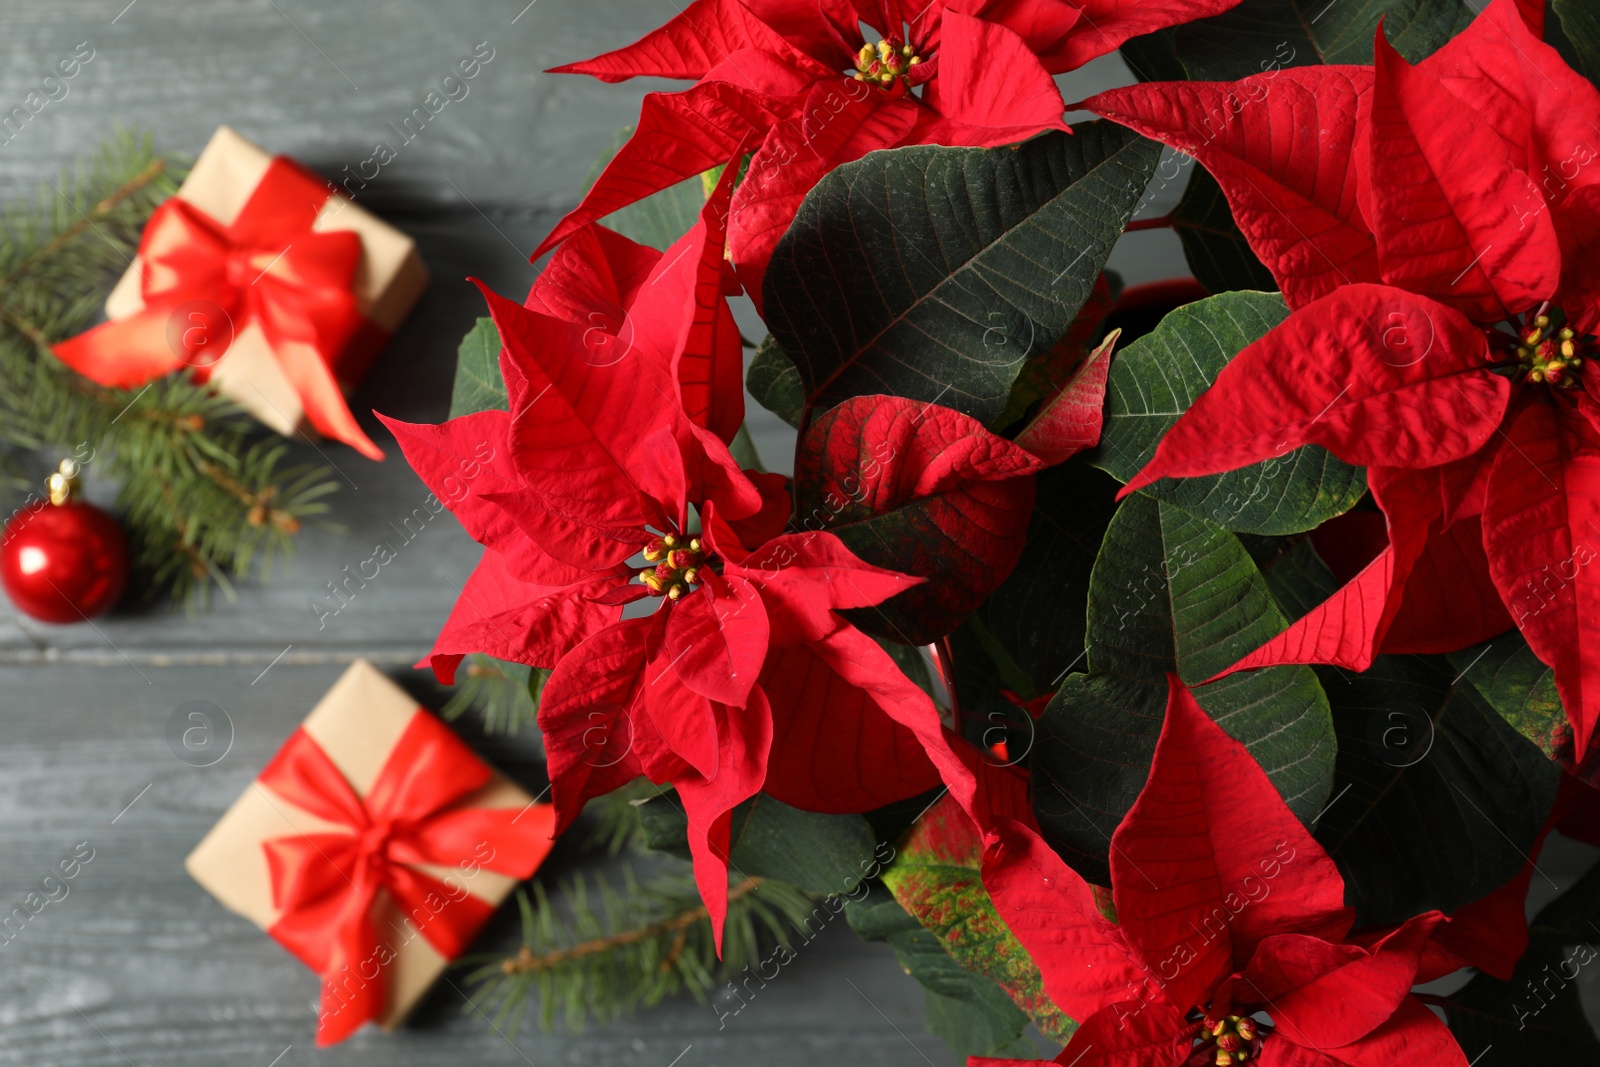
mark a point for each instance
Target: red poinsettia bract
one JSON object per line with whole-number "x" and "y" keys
{"x": 1435, "y": 229}
{"x": 805, "y": 88}
{"x": 742, "y": 676}
{"x": 1229, "y": 941}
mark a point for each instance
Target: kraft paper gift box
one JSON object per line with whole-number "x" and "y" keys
{"x": 358, "y": 724}
{"x": 388, "y": 282}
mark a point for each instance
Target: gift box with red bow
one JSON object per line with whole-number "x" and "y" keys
{"x": 265, "y": 281}
{"x": 374, "y": 847}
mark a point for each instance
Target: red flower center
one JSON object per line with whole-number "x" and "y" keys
{"x": 1551, "y": 352}
{"x": 679, "y": 563}
{"x": 1227, "y": 1041}
{"x": 887, "y": 65}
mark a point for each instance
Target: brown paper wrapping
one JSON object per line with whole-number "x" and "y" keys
{"x": 357, "y": 723}
{"x": 388, "y": 282}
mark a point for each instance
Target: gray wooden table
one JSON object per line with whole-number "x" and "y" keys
{"x": 136, "y": 965}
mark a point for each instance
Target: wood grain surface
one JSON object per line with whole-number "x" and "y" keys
{"x": 136, "y": 966}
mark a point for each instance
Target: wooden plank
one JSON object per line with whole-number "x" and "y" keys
{"x": 136, "y": 951}
{"x": 325, "y": 83}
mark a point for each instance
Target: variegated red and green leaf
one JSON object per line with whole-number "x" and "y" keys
{"x": 936, "y": 878}
{"x": 923, "y": 490}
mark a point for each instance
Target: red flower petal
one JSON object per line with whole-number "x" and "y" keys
{"x": 1454, "y": 216}
{"x": 1209, "y": 861}
{"x": 1280, "y": 145}
{"x": 678, "y": 136}
{"x": 1376, "y": 375}
{"x": 1579, "y": 226}
{"x": 501, "y": 616}
{"x": 596, "y": 736}
{"x": 836, "y": 745}
{"x": 745, "y": 736}
{"x": 922, "y": 486}
{"x": 1083, "y": 957}
{"x": 1131, "y": 1033}
{"x": 1450, "y": 601}
{"x": 709, "y": 368}
{"x": 1347, "y": 628}
{"x": 1108, "y": 23}
{"x": 804, "y": 578}
{"x": 592, "y": 278}
{"x": 595, "y": 442}
{"x": 716, "y": 638}
{"x": 1071, "y": 420}
{"x": 699, "y": 38}
{"x": 681, "y": 716}
{"x": 1523, "y": 88}
{"x": 1323, "y": 995}
{"x": 462, "y": 460}
{"x": 1413, "y": 1034}
{"x": 1541, "y": 527}
{"x": 1043, "y": 24}
{"x": 989, "y": 78}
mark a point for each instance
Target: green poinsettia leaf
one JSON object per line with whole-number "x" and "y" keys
{"x": 1217, "y": 252}
{"x": 1578, "y": 21}
{"x": 978, "y": 1022}
{"x": 1037, "y": 616}
{"x": 1517, "y": 684}
{"x": 1155, "y": 379}
{"x": 935, "y": 877}
{"x": 826, "y": 854}
{"x": 1170, "y": 592}
{"x": 1153, "y": 57}
{"x": 1538, "y": 1016}
{"x": 933, "y": 273}
{"x": 1265, "y": 35}
{"x": 967, "y": 1009}
{"x": 479, "y": 385}
{"x": 1043, "y": 377}
{"x": 774, "y": 382}
{"x": 1436, "y": 800}
{"x": 861, "y": 473}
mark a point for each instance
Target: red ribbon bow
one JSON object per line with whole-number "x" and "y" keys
{"x": 204, "y": 282}
{"x": 332, "y": 885}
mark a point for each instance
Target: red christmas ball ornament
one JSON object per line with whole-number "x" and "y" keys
{"x": 66, "y": 560}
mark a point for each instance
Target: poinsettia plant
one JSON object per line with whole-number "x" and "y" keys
{"x": 1192, "y": 691}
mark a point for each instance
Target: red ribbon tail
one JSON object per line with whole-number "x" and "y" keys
{"x": 354, "y": 989}
{"x": 324, "y": 402}
{"x": 124, "y": 354}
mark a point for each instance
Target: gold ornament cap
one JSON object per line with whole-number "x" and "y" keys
{"x": 63, "y": 483}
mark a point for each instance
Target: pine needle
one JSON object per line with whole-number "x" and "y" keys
{"x": 616, "y": 817}
{"x": 603, "y": 952}
{"x": 504, "y": 694}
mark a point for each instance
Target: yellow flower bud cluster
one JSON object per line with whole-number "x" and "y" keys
{"x": 883, "y": 64}
{"x": 678, "y": 565}
{"x": 1552, "y": 356}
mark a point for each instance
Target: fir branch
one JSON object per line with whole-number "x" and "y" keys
{"x": 100, "y": 211}
{"x": 525, "y": 961}
{"x": 616, "y": 815}
{"x": 206, "y": 494}
{"x": 504, "y": 694}
{"x": 630, "y": 948}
